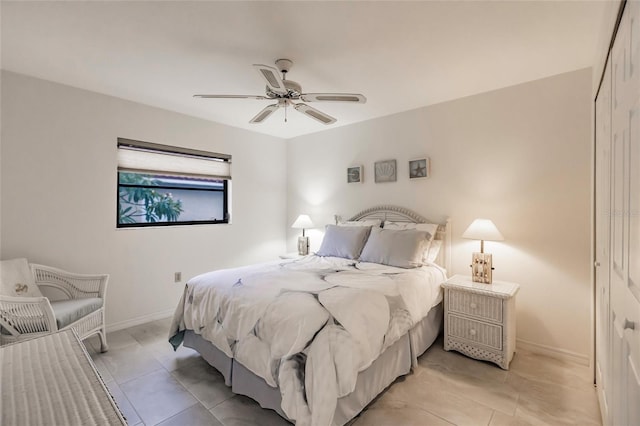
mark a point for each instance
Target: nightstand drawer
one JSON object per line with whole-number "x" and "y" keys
{"x": 475, "y": 331}
{"x": 477, "y": 305}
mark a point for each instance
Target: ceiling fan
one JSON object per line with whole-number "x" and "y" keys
{"x": 285, "y": 92}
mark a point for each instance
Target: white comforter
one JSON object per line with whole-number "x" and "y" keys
{"x": 308, "y": 326}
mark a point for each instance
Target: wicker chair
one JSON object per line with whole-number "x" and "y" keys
{"x": 28, "y": 317}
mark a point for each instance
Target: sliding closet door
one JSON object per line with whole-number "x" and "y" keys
{"x": 625, "y": 222}
{"x": 602, "y": 252}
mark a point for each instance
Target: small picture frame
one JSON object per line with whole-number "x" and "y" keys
{"x": 419, "y": 168}
{"x": 354, "y": 174}
{"x": 385, "y": 171}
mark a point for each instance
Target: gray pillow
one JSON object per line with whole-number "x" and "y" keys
{"x": 344, "y": 241}
{"x": 401, "y": 248}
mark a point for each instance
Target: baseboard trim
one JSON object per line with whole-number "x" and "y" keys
{"x": 557, "y": 353}
{"x": 139, "y": 320}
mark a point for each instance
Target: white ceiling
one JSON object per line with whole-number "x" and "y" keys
{"x": 400, "y": 55}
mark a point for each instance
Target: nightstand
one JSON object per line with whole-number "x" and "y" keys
{"x": 480, "y": 319}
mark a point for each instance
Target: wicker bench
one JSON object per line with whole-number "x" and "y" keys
{"x": 51, "y": 380}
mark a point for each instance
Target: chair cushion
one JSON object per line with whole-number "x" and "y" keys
{"x": 70, "y": 311}
{"x": 16, "y": 279}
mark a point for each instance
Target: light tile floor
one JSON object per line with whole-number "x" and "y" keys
{"x": 154, "y": 385}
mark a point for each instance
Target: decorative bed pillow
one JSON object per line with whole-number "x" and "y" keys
{"x": 432, "y": 254}
{"x": 16, "y": 279}
{"x": 344, "y": 241}
{"x": 374, "y": 223}
{"x": 431, "y": 228}
{"x": 402, "y": 248}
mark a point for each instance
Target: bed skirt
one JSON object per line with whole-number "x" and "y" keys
{"x": 214, "y": 356}
{"x": 394, "y": 362}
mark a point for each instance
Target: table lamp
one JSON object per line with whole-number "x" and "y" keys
{"x": 482, "y": 229}
{"x": 303, "y": 221}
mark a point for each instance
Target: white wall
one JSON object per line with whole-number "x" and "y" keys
{"x": 58, "y": 175}
{"x": 520, "y": 156}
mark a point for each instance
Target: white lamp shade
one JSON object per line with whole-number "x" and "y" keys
{"x": 302, "y": 222}
{"x": 483, "y": 229}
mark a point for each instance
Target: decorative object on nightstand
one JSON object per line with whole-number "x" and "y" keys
{"x": 480, "y": 319}
{"x": 302, "y": 222}
{"x": 481, "y": 264}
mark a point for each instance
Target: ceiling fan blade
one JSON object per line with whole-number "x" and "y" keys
{"x": 333, "y": 97}
{"x": 231, "y": 97}
{"x": 272, "y": 78}
{"x": 314, "y": 113}
{"x": 262, "y": 115}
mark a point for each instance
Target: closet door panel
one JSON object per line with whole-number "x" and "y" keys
{"x": 618, "y": 411}
{"x": 633, "y": 280}
{"x": 619, "y": 134}
{"x": 624, "y": 383}
{"x": 632, "y": 16}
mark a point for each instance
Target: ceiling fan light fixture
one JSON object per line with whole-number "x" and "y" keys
{"x": 285, "y": 91}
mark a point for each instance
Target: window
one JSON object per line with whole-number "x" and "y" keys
{"x": 162, "y": 185}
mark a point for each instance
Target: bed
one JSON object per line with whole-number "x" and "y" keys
{"x": 318, "y": 338}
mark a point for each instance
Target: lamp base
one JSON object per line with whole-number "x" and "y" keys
{"x": 303, "y": 246}
{"x": 481, "y": 268}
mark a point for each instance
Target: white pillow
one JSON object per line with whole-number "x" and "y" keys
{"x": 431, "y": 228}
{"x": 401, "y": 248}
{"x": 344, "y": 241}
{"x": 432, "y": 253}
{"x": 369, "y": 222}
{"x": 16, "y": 279}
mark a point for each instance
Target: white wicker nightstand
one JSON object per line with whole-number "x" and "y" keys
{"x": 480, "y": 319}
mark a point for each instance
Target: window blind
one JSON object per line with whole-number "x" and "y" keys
{"x": 149, "y": 158}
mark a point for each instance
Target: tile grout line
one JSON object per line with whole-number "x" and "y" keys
{"x": 176, "y": 414}
{"x": 127, "y": 398}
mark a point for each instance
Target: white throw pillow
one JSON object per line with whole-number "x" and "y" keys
{"x": 16, "y": 279}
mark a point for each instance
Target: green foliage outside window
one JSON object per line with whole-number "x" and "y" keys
{"x": 142, "y": 201}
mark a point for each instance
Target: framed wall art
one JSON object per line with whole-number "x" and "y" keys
{"x": 419, "y": 168}
{"x": 354, "y": 174}
{"x": 385, "y": 171}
